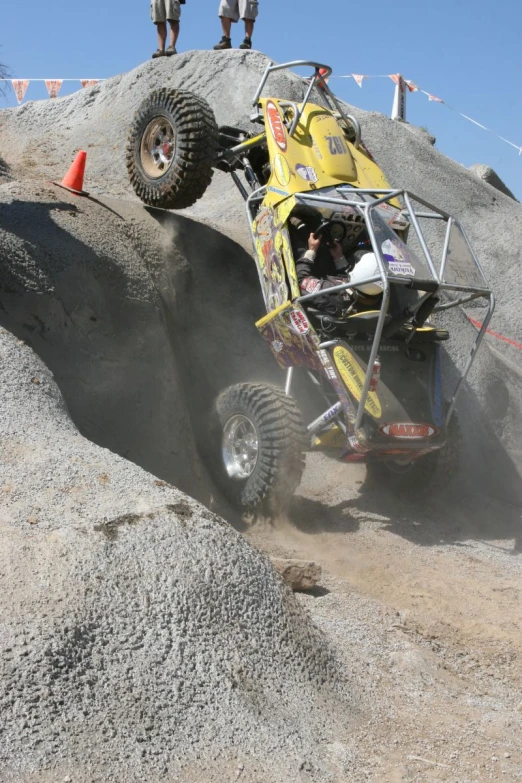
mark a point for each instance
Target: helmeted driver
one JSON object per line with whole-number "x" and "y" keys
{"x": 321, "y": 264}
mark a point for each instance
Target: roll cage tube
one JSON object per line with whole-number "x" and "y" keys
{"x": 317, "y": 79}
{"x": 436, "y": 283}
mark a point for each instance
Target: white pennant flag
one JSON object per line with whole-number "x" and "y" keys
{"x": 434, "y": 98}
{"x": 53, "y": 87}
{"x": 20, "y": 86}
{"x": 358, "y": 78}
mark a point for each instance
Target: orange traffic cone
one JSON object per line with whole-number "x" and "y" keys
{"x": 73, "y": 180}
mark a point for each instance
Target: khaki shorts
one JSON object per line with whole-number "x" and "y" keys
{"x": 238, "y": 9}
{"x": 165, "y": 10}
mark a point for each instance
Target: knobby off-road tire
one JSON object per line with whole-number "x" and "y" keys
{"x": 427, "y": 475}
{"x": 276, "y": 471}
{"x": 172, "y": 149}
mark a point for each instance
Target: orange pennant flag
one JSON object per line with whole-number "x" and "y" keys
{"x": 434, "y": 98}
{"x": 53, "y": 87}
{"x": 20, "y": 86}
{"x": 412, "y": 87}
{"x": 397, "y": 78}
{"x": 88, "y": 82}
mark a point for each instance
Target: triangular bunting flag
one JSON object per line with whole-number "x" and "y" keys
{"x": 20, "y": 86}
{"x": 53, "y": 87}
{"x": 434, "y": 98}
{"x": 412, "y": 87}
{"x": 397, "y": 78}
{"x": 358, "y": 78}
{"x": 88, "y": 82}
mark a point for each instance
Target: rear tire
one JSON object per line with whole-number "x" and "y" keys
{"x": 172, "y": 149}
{"x": 261, "y": 440}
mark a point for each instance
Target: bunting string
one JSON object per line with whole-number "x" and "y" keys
{"x": 54, "y": 85}
{"x": 412, "y": 87}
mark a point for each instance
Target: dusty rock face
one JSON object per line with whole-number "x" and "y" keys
{"x": 43, "y": 136}
{"x": 141, "y": 635}
{"x": 135, "y": 312}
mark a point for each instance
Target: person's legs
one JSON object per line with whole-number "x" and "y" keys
{"x": 226, "y": 26}
{"x": 248, "y": 10}
{"x": 162, "y": 35}
{"x": 173, "y": 10}
{"x": 174, "y": 32}
{"x": 228, "y": 13}
{"x": 158, "y": 15}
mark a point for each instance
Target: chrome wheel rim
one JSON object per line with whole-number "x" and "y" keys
{"x": 158, "y": 146}
{"x": 240, "y": 447}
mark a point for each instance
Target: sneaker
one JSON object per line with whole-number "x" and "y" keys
{"x": 158, "y": 53}
{"x": 247, "y": 43}
{"x": 225, "y": 43}
{"x": 170, "y": 51}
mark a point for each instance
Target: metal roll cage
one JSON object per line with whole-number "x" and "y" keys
{"x": 436, "y": 282}
{"x": 317, "y": 80}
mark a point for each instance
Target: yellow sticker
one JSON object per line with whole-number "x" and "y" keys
{"x": 282, "y": 170}
{"x": 353, "y": 376}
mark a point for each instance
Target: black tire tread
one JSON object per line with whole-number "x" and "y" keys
{"x": 282, "y": 444}
{"x": 196, "y": 152}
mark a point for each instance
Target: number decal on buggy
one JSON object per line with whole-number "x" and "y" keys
{"x": 335, "y": 145}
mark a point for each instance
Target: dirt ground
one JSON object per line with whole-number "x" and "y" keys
{"x": 434, "y": 602}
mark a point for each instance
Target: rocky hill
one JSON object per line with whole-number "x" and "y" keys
{"x": 144, "y": 638}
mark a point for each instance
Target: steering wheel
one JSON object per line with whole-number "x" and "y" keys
{"x": 330, "y": 232}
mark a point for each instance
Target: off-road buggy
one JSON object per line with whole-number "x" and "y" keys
{"x": 376, "y": 373}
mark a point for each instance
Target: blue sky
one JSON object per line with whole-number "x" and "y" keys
{"x": 468, "y": 53}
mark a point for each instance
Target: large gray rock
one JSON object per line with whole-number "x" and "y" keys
{"x": 489, "y": 175}
{"x": 141, "y": 636}
{"x": 135, "y": 311}
{"x": 41, "y": 138}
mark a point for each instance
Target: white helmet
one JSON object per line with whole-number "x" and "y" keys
{"x": 366, "y": 267}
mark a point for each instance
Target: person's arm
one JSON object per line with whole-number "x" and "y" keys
{"x": 308, "y": 282}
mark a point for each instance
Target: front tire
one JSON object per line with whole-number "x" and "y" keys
{"x": 262, "y": 441}
{"x": 172, "y": 149}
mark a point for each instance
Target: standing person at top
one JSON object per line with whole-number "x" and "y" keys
{"x": 232, "y": 11}
{"x": 163, "y": 11}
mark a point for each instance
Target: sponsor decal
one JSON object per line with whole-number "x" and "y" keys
{"x": 276, "y": 125}
{"x": 311, "y": 285}
{"x": 368, "y": 347}
{"x": 354, "y": 376}
{"x": 400, "y": 267}
{"x": 408, "y": 431}
{"x": 307, "y": 173}
{"x": 398, "y": 258}
{"x": 353, "y": 440}
{"x": 336, "y": 145}
{"x": 278, "y": 346}
{"x": 324, "y": 356}
{"x": 331, "y": 414}
{"x": 281, "y": 170}
{"x": 278, "y": 190}
{"x": 299, "y": 322}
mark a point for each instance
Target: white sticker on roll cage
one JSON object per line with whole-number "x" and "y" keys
{"x": 299, "y": 322}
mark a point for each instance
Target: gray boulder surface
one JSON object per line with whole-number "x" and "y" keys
{"x": 490, "y": 176}
{"x": 41, "y": 138}
{"x": 141, "y": 636}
